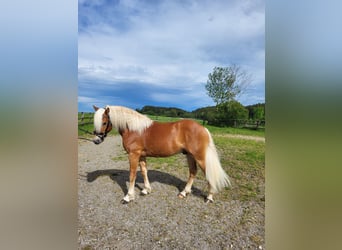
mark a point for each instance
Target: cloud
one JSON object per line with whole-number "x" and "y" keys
{"x": 172, "y": 44}
{"x": 85, "y": 99}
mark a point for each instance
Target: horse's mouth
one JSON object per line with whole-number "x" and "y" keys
{"x": 97, "y": 140}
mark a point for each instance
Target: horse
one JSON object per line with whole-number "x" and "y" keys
{"x": 143, "y": 137}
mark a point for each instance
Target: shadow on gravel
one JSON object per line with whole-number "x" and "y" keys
{"x": 122, "y": 176}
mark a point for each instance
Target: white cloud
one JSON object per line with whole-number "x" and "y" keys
{"x": 85, "y": 99}
{"x": 175, "y": 44}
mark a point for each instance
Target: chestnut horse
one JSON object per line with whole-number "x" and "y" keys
{"x": 143, "y": 137}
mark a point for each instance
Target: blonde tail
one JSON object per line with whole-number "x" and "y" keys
{"x": 214, "y": 172}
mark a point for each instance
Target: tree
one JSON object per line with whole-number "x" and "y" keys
{"x": 224, "y": 84}
{"x": 231, "y": 111}
{"x": 256, "y": 111}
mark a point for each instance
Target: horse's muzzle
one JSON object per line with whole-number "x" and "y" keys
{"x": 98, "y": 139}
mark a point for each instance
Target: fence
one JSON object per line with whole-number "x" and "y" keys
{"x": 85, "y": 118}
{"x": 240, "y": 123}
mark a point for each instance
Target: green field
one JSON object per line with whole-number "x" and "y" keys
{"x": 242, "y": 155}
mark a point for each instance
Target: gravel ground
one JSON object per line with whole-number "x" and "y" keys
{"x": 159, "y": 220}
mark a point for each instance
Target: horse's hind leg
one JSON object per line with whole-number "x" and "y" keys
{"x": 192, "y": 174}
{"x": 147, "y": 186}
{"x": 209, "y": 198}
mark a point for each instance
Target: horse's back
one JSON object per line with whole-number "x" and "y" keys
{"x": 177, "y": 128}
{"x": 189, "y": 133}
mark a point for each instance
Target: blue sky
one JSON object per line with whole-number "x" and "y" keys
{"x": 135, "y": 53}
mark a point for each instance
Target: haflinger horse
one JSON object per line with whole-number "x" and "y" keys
{"x": 143, "y": 137}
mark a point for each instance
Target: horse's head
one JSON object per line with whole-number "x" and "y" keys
{"x": 102, "y": 124}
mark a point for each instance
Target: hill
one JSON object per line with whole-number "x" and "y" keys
{"x": 162, "y": 111}
{"x": 255, "y": 112}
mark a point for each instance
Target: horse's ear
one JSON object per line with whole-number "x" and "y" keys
{"x": 107, "y": 110}
{"x": 95, "y": 108}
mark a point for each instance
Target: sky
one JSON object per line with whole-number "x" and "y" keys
{"x": 159, "y": 52}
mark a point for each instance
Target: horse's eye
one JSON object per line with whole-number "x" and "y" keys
{"x": 104, "y": 123}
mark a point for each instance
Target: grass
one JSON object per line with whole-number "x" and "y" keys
{"x": 85, "y": 126}
{"x": 163, "y": 118}
{"x": 235, "y": 131}
{"x": 243, "y": 159}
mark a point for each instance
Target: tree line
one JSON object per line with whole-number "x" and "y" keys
{"x": 225, "y": 115}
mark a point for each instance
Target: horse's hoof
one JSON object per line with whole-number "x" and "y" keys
{"x": 144, "y": 192}
{"x": 124, "y": 201}
{"x": 181, "y": 195}
{"x": 208, "y": 201}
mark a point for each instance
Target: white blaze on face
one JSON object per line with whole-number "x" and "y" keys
{"x": 98, "y": 120}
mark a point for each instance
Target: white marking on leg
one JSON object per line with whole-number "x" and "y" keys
{"x": 210, "y": 198}
{"x": 126, "y": 198}
{"x": 187, "y": 188}
{"x": 147, "y": 187}
{"x": 192, "y": 174}
{"x": 210, "y": 195}
{"x": 145, "y": 191}
{"x": 129, "y": 196}
{"x": 184, "y": 193}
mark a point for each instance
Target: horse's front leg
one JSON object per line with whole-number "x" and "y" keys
{"x": 133, "y": 165}
{"x": 147, "y": 186}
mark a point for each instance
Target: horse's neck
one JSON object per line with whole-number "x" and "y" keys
{"x": 122, "y": 131}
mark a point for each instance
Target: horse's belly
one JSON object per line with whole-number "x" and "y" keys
{"x": 163, "y": 150}
{"x": 163, "y": 140}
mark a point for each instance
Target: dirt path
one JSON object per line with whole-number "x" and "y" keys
{"x": 245, "y": 137}
{"x": 159, "y": 220}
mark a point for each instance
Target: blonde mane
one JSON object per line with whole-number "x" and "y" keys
{"x": 122, "y": 118}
